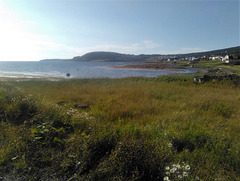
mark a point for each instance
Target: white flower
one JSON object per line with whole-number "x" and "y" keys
{"x": 174, "y": 165}
{"x": 166, "y": 178}
{"x": 178, "y": 166}
{"x": 170, "y": 145}
{"x": 180, "y": 176}
{"x": 167, "y": 168}
{"x": 185, "y": 174}
{"x": 172, "y": 170}
{"x": 187, "y": 167}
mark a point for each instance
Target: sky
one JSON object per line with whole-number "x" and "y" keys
{"x": 31, "y": 30}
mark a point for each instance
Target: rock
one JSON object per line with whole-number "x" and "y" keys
{"x": 1, "y": 178}
{"x": 82, "y": 106}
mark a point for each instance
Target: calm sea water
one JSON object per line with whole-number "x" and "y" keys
{"x": 59, "y": 69}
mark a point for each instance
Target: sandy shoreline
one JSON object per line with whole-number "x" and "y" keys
{"x": 28, "y": 76}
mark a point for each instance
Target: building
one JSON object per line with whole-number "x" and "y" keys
{"x": 225, "y": 59}
{"x": 234, "y": 59}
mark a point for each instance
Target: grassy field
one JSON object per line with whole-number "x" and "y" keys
{"x": 233, "y": 68}
{"x": 166, "y": 128}
{"x": 213, "y": 64}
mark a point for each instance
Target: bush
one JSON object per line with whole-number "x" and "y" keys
{"x": 21, "y": 111}
{"x": 133, "y": 160}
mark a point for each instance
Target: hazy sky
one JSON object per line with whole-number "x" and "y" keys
{"x": 40, "y": 29}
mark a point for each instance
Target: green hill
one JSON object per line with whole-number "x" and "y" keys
{"x": 119, "y": 57}
{"x": 108, "y": 56}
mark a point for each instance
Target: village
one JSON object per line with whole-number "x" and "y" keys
{"x": 231, "y": 58}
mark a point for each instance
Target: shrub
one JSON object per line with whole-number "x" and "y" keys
{"x": 133, "y": 160}
{"x": 21, "y": 111}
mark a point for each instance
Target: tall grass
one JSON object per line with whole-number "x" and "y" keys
{"x": 135, "y": 127}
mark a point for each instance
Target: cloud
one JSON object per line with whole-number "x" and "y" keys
{"x": 20, "y": 42}
{"x": 190, "y": 50}
{"x": 146, "y": 46}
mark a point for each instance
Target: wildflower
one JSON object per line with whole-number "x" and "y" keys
{"x": 180, "y": 176}
{"x": 170, "y": 145}
{"x": 178, "y": 166}
{"x": 174, "y": 165}
{"x": 185, "y": 174}
{"x": 166, "y": 178}
{"x": 173, "y": 170}
{"x": 167, "y": 168}
{"x": 167, "y": 173}
{"x": 187, "y": 167}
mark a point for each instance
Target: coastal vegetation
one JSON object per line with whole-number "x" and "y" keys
{"x": 212, "y": 65}
{"x": 163, "y": 128}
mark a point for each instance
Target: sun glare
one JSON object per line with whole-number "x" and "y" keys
{"x": 16, "y": 43}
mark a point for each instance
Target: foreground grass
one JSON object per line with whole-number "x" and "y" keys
{"x": 134, "y": 130}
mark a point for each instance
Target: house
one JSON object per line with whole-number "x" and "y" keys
{"x": 234, "y": 59}
{"x": 215, "y": 58}
{"x": 225, "y": 59}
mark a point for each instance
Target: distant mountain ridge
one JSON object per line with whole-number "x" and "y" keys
{"x": 223, "y": 52}
{"x": 119, "y": 57}
{"x": 109, "y": 56}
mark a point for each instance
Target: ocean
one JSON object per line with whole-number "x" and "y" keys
{"x": 60, "y": 69}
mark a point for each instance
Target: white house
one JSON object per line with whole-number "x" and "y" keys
{"x": 225, "y": 59}
{"x": 215, "y": 58}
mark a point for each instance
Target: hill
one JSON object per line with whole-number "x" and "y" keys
{"x": 222, "y": 52}
{"x": 108, "y": 56}
{"x": 119, "y": 57}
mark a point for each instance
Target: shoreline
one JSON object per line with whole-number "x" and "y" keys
{"x": 159, "y": 66}
{"x": 148, "y": 66}
{"x": 4, "y": 76}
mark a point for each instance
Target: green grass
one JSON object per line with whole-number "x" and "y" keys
{"x": 210, "y": 63}
{"x": 213, "y": 64}
{"x": 202, "y": 63}
{"x": 135, "y": 127}
{"x": 233, "y": 68}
